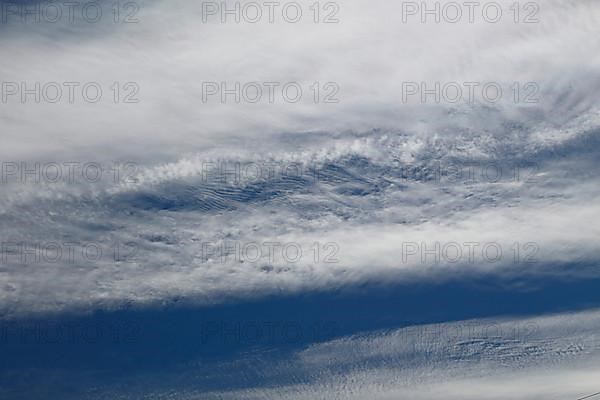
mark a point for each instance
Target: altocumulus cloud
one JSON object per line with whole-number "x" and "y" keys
{"x": 366, "y": 185}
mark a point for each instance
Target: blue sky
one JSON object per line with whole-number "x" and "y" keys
{"x": 407, "y": 210}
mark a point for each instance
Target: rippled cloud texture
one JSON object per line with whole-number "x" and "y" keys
{"x": 378, "y": 188}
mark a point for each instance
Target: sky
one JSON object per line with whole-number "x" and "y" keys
{"x": 248, "y": 200}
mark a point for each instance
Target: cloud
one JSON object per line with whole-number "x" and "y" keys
{"x": 554, "y": 356}
{"x": 365, "y": 202}
{"x": 369, "y": 54}
{"x": 447, "y": 361}
{"x": 370, "y": 218}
